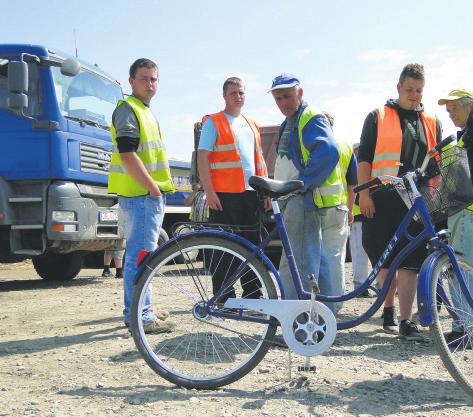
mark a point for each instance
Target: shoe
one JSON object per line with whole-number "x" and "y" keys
{"x": 107, "y": 274}
{"x": 119, "y": 274}
{"x": 158, "y": 326}
{"x": 458, "y": 339}
{"x": 408, "y": 331}
{"x": 390, "y": 320}
{"x": 365, "y": 294}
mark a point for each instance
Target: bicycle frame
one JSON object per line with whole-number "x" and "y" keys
{"x": 427, "y": 235}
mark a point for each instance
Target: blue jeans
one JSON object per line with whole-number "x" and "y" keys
{"x": 334, "y": 224}
{"x": 142, "y": 217}
{"x": 461, "y": 227}
{"x": 305, "y": 235}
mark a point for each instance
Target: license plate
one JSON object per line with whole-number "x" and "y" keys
{"x": 108, "y": 216}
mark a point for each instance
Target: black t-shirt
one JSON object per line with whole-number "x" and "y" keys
{"x": 414, "y": 143}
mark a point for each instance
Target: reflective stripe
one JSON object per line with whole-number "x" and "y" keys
{"x": 260, "y": 165}
{"x": 149, "y": 167}
{"x": 329, "y": 190}
{"x": 386, "y": 156}
{"x": 384, "y": 171}
{"x": 147, "y": 146}
{"x": 223, "y": 148}
{"x": 223, "y": 165}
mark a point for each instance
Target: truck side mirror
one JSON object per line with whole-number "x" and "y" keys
{"x": 70, "y": 67}
{"x": 17, "y": 86}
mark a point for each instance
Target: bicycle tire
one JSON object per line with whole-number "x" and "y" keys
{"x": 204, "y": 353}
{"x": 457, "y": 359}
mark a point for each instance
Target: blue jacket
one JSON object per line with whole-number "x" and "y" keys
{"x": 317, "y": 137}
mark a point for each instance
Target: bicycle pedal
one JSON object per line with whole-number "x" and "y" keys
{"x": 304, "y": 368}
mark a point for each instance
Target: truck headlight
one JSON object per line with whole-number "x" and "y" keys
{"x": 63, "y": 216}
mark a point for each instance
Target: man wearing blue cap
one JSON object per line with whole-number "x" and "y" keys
{"x": 307, "y": 151}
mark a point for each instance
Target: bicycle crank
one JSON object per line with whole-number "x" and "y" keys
{"x": 306, "y": 331}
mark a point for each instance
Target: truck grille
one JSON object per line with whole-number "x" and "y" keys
{"x": 94, "y": 159}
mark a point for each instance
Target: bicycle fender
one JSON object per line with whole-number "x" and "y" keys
{"x": 424, "y": 299}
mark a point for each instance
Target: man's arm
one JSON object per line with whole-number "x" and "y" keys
{"x": 204, "y": 174}
{"x": 368, "y": 140}
{"x": 318, "y": 139}
{"x": 137, "y": 170}
{"x": 366, "y": 203}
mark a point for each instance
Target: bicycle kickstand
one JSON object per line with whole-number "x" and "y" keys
{"x": 314, "y": 281}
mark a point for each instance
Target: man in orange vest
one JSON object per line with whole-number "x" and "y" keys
{"x": 229, "y": 153}
{"x": 395, "y": 140}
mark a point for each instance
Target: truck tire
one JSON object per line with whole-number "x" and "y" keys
{"x": 58, "y": 266}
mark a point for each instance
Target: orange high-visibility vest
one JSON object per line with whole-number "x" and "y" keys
{"x": 226, "y": 168}
{"x": 387, "y": 154}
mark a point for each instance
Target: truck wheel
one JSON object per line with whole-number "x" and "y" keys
{"x": 58, "y": 266}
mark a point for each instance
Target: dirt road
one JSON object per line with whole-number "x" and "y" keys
{"x": 64, "y": 352}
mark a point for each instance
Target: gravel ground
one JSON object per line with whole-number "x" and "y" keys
{"x": 64, "y": 352}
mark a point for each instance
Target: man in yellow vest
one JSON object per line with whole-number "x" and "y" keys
{"x": 307, "y": 151}
{"x": 459, "y": 105}
{"x": 139, "y": 175}
{"x": 230, "y": 152}
{"x": 395, "y": 140}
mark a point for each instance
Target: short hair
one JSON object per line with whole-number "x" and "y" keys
{"x": 232, "y": 81}
{"x": 415, "y": 71}
{"x": 141, "y": 63}
{"x": 465, "y": 101}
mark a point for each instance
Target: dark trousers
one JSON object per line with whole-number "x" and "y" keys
{"x": 238, "y": 209}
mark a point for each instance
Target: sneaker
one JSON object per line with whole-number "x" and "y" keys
{"x": 408, "y": 331}
{"x": 119, "y": 274}
{"x": 106, "y": 274}
{"x": 390, "y": 320}
{"x": 158, "y": 326}
{"x": 458, "y": 339}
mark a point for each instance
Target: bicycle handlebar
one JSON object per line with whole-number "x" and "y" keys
{"x": 377, "y": 181}
{"x": 374, "y": 181}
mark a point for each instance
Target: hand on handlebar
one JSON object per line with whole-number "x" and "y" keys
{"x": 367, "y": 205}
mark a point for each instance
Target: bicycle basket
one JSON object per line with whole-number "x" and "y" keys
{"x": 446, "y": 186}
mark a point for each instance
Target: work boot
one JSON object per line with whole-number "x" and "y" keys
{"x": 158, "y": 326}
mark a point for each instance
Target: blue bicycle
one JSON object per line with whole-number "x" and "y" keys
{"x": 227, "y": 300}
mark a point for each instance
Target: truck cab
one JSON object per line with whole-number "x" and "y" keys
{"x": 55, "y": 116}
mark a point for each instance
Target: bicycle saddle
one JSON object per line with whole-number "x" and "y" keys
{"x": 273, "y": 188}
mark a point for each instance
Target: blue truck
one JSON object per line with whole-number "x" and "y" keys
{"x": 55, "y": 113}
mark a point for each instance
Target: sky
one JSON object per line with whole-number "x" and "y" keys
{"x": 347, "y": 54}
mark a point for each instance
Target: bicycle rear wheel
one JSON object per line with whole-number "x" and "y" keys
{"x": 203, "y": 351}
{"x": 451, "y": 310}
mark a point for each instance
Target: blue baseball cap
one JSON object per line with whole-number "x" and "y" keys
{"x": 284, "y": 81}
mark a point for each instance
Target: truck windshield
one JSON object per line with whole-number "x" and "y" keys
{"x": 34, "y": 97}
{"x": 87, "y": 97}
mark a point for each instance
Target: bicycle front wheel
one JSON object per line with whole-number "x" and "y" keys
{"x": 203, "y": 351}
{"x": 452, "y": 311}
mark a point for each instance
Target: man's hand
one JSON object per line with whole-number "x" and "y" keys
{"x": 213, "y": 201}
{"x": 155, "y": 191}
{"x": 367, "y": 205}
{"x": 267, "y": 204}
{"x": 350, "y": 217}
